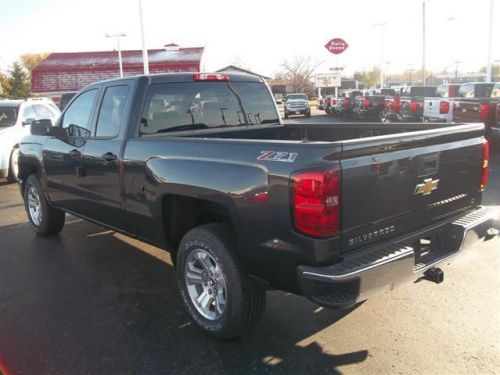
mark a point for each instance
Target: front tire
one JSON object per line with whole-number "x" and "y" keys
{"x": 44, "y": 219}
{"x": 216, "y": 292}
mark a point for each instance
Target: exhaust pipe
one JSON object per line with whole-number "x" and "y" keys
{"x": 434, "y": 274}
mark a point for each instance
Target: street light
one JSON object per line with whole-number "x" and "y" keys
{"x": 490, "y": 42}
{"x": 118, "y": 36}
{"x": 381, "y": 25}
{"x": 423, "y": 42}
{"x": 145, "y": 59}
{"x": 456, "y": 70}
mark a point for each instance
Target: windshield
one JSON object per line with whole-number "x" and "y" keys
{"x": 8, "y": 116}
{"x": 296, "y": 96}
{"x": 199, "y": 105}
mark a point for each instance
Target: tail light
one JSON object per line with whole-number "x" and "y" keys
{"x": 396, "y": 105}
{"x": 486, "y": 156}
{"x": 346, "y": 102}
{"x": 328, "y": 102}
{"x": 414, "y": 106}
{"x": 444, "y": 107}
{"x": 484, "y": 111}
{"x": 384, "y": 104}
{"x": 210, "y": 77}
{"x": 366, "y": 103}
{"x": 316, "y": 202}
{"x": 334, "y": 101}
{"x": 320, "y": 101}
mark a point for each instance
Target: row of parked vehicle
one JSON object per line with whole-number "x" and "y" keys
{"x": 468, "y": 102}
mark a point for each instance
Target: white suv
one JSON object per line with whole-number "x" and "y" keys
{"x": 15, "y": 120}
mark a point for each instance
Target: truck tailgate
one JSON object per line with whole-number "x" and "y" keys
{"x": 397, "y": 184}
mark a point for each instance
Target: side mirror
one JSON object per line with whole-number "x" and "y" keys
{"x": 41, "y": 127}
{"x": 28, "y": 121}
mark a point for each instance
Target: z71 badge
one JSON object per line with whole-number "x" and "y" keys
{"x": 287, "y": 157}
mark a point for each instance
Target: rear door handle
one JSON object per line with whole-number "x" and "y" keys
{"x": 108, "y": 156}
{"x": 75, "y": 154}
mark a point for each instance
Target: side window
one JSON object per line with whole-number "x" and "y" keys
{"x": 112, "y": 110}
{"x": 77, "y": 117}
{"x": 43, "y": 112}
{"x": 29, "y": 114}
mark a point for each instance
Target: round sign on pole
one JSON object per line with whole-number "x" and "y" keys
{"x": 336, "y": 46}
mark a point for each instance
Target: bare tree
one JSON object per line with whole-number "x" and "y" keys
{"x": 299, "y": 71}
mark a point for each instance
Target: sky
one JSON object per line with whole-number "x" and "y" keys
{"x": 261, "y": 34}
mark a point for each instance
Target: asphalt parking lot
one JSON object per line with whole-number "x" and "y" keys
{"x": 93, "y": 301}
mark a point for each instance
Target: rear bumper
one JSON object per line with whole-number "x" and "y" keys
{"x": 383, "y": 267}
{"x": 298, "y": 111}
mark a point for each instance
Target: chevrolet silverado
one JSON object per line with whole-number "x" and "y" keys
{"x": 202, "y": 165}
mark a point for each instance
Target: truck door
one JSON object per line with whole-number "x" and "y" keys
{"x": 101, "y": 158}
{"x": 62, "y": 154}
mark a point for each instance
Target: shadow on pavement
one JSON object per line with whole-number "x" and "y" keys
{"x": 88, "y": 302}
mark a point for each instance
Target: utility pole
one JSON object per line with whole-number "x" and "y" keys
{"x": 118, "y": 36}
{"x": 490, "y": 42}
{"x": 145, "y": 59}
{"x": 423, "y": 42}
{"x": 381, "y": 25}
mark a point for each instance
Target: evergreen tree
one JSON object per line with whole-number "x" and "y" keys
{"x": 19, "y": 85}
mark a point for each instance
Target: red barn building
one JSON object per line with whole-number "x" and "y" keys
{"x": 69, "y": 72}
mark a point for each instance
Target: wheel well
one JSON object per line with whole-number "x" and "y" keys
{"x": 181, "y": 213}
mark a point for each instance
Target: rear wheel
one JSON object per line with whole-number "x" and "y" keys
{"x": 13, "y": 166}
{"x": 215, "y": 290}
{"x": 44, "y": 219}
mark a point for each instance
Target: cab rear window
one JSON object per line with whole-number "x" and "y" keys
{"x": 201, "y": 105}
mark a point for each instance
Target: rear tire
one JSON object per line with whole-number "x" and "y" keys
{"x": 217, "y": 293}
{"x": 44, "y": 219}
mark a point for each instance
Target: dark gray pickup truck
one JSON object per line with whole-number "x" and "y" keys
{"x": 201, "y": 165}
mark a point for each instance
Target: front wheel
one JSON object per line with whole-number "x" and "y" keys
{"x": 215, "y": 290}
{"x": 44, "y": 219}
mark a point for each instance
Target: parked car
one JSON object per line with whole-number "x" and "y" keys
{"x": 320, "y": 104}
{"x": 331, "y": 104}
{"x": 201, "y": 164}
{"x": 16, "y": 117}
{"x": 477, "y": 102}
{"x": 280, "y": 98}
{"x": 297, "y": 104}
{"x": 494, "y": 131}
{"x": 345, "y": 107}
{"x": 440, "y": 107}
{"x": 65, "y": 99}
{"x": 411, "y": 106}
{"x": 369, "y": 107}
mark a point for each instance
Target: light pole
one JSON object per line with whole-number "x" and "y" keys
{"x": 381, "y": 25}
{"x": 490, "y": 42}
{"x": 423, "y": 42}
{"x": 456, "y": 70}
{"x": 145, "y": 60}
{"x": 118, "y": 36}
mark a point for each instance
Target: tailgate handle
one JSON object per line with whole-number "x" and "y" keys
{"x": 427, "y": 165}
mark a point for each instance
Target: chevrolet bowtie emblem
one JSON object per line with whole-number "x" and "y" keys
{"x": 426, "y": 187}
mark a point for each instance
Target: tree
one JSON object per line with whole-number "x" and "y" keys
{"x": 4, "y": 85}
{"x": 495, "y": 70}
{"x": 19, "y": 87}
{"x": 369, "y": 77}
{"x": 31, "y": 60}
{"x": 299, "y": 72}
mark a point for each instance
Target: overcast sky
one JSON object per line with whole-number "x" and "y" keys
{"x": 260, "y": 34}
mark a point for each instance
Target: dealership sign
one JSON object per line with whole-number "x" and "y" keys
{"x": 336, "y": 46}
{"x": 327, "y": 80}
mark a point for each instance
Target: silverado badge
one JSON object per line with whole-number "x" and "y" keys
{"x": 426, "y": 187}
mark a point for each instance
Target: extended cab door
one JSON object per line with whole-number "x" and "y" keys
{"x": 101, "y": 158}
{"x": 62, "y": 154}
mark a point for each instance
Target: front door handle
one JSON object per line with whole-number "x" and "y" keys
{"x": 109, "y": 156}
{"x": 75, "y": 154}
